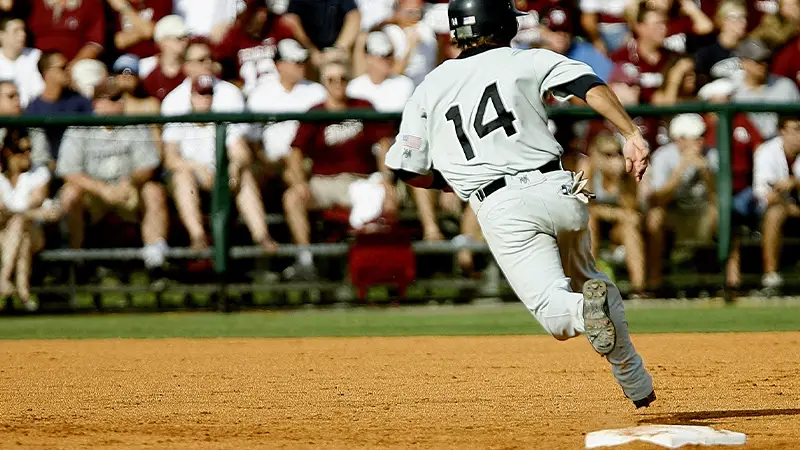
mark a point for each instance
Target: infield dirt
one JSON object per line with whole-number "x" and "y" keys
{"x": 513, "y": 392}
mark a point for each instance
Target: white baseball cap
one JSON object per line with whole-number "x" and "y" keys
{"x": 171, "y": 26}
{"x": 687, "y": 126}
{"x": 718, "y": 88}
{"x": 379, "y": 44}
{"x": 291, "y": 51}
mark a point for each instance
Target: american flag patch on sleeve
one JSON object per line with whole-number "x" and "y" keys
{"x": 411, "y": 141}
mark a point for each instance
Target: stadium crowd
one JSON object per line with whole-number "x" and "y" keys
{"x": 173, "y": 57}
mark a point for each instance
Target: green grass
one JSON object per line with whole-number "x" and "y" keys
{"x": 416, "y": 321}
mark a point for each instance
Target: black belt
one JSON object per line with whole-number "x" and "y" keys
{"x": 500, "y": 183}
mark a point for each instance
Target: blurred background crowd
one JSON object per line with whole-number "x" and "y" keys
{"x": 173, "y": 57}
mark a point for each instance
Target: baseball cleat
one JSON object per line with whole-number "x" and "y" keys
{"x": 645, "y": 402}
{"x": 598, "y": 327}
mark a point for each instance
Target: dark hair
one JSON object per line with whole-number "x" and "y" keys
{"x": 10, "y": 144}
{"x": 46, "y": 61}
{"x": 783, "y": 119}
{"x": 645, "y": 7}
{"x": 5, "y": 19}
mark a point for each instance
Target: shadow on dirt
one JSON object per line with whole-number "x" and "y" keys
{"x": 703, "y": 417}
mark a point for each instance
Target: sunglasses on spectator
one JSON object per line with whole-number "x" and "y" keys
{"x": 338, "y": 79}
{"x": 201, "y": 60}
{"x": 111, "y": 98}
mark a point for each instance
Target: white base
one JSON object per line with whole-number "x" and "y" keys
{"x": 669, "y": 436}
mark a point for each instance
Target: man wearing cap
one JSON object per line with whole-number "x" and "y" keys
{"x": 134, "y": 24}
{"x": 111, "y": 169}
{"x": 125, "y": 71}
{"x": 680, "y": 190}
{"x": 386, "y": 92}
{"x": 341, "y": 153}
{"x": 776, "y": 183}
{"x": 190, "y": 157}
{"x": 248, "y": 48}
{"x": 289, "y": 92}
{"x": 559, "y": 37}
{"x": 163, "y": 72}
{"x": 17, "y": 62}
{"x": 758, "y": 85}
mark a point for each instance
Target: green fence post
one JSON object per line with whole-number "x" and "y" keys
{"x": 724, "y": 186}
{"x": 221, "y": 204}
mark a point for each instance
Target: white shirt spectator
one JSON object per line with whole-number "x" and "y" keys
{"x": 692, "y": 192}
{"x": 271, "y": 97}
{"x": 18, "y": 198}
{"x": 425, "y": 56}
{"x": 373, "y": 12}
{"x": 197, "y": 143}
{"x": 614, "y": 8}
{"x": 202, "y": 16}
{"x": 770, "y": 166}
{"x": 389, "y": 96}
{"x": 777, "y": 90}
{"x": 227, "y": 99}
{"x": 24, "y": 73}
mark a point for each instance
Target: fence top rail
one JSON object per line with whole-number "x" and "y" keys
{"x": 370, "y": 115}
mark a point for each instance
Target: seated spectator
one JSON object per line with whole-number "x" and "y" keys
{"x": 717, "y": 60}
{"x": 746, "y": 139}
{"x": 86, "y": 74}
{"x": 341, "y": 154}
{"x": 759, "y": 86}
{"x": 288, "y": 93}
{"x": 134, "y": 23}
{"x": 680, "y": 83}
{"x": 604, "y": 24}
{"x": 56, "y": 99}
{"x": 10, "y": 107}
{"x": 125, "y": 72}
{"x": 198, "y": 63}
{"x": 776, "y": 179}
{"x": 646, "y": 51}
{"x": 17, "y": 62}
{"x": 23, "y": 206}
{"x": 162, "y": 73}
{"x": 207, "y": 18}
{"x": 111, "y": 170}
{"x": 680, "y": 191}
{"x": 415, "y": 46}
{"x": 248, "y": 48}
{"x": 778, "y": 28}
{"x": 559, "y": 37}
{"x": 190, "y": 157}
{"x": 615, "y": 205}
{"x": 317, "y": 27}
{"x": 686, "y": 22}
{"x": 386, "y": 92}
{"x": 375, "y": 12}
{"x": 74, "y": 28}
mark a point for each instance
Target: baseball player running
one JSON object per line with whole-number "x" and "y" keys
{"x": 478, "y": 125}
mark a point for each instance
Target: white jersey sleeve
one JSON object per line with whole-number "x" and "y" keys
{"x": 554, "y": 70}
{"x": 410, "y": 151}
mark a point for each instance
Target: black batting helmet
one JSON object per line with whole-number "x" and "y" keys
{"x": 471, "y": 19}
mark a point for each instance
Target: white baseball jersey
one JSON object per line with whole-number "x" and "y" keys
{"x": 478, "y": 118}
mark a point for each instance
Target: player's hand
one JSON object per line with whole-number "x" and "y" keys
{"x": 637, "y": 155}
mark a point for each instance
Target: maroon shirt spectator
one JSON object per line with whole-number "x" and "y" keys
{"x": 166, "y": 72}
{"x": 248, "y": 49}
{"x": 76, "y": 30}
{"x": 134, "y": 24}
{"x": 787, "y": 62}
{"x": 646, "y": 52}
{"x": 344, "y": 147}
